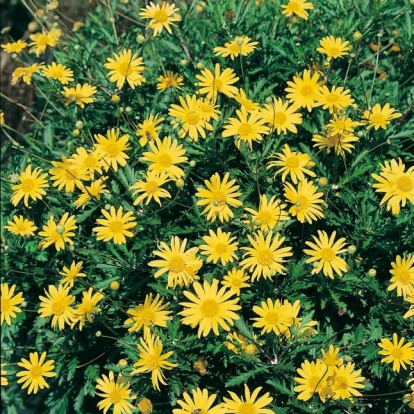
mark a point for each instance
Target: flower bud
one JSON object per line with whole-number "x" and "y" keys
{"x": 183, "y": 62}
{"x": 140, "y": 39}
{"x": 115, "y": 98}
{"x": 200, "y": 65}
{"x": 98, "y": 334}
{"x": 372, "y": 272}
{"x": 114, "y": 285}
{"x": 179, "y": 183}
{"x": 76, "y": 132}
{"x": 60, "y": 229}
{"x": 192, "y": 163}
{"x": 79, "y": 124}
{"x": 323, "y": 182}
{"x": 357, "y": 36}
{"x": 351, "y": 249}
{"x": 122, "y": 363}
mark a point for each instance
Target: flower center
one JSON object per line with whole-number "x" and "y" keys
{"x": 341, "y": 382}
{"x": 115, "y": 396}
{"x": 218, "y": 84}
{"x": 112, "y": 149}
{"x": 35, "y": 371}
{"x": 176, "y": 264}
{"x": 333, "y": 140}
{"x": 160, "y": 16}
{"x": 403, "y": 276}
{"x": 306, "y": 90}
{"x": 245, "y": 129}
{"x": 221, "y": 248}
{"x": 152, "y": 362}
{"x": 236, "y": 281}
{"x": 265, "y": 257}
{"x": 125, "y": 68}
{"x": 332, "y": 98}
{"x": 151, "y": 187}
{"x": 58, "y": 308}
{"x": 165, "y": 160}
{"x": 340, "y": 125}
{"x": 89, "y": 161}
{"x": 234, "y": 48}
{"x": 27, "y": 185}
{"x": 219, "y": 199}
{"x": 264, "y": 217}
{"x": 334, "y": 51}
{"x": 397, "y": 353}
{"x": 116, "y": 226}
{"x": 147, "y": 317}
{"x": 302, "y": 202}
{"x": 280, "y": 118}
{"x": 5, "y": 305}
{"x": 209, "y": 308}
{"x": 313, "y": 381}
{"x": 292, "y": 162}
{"x": 192, "y": 117}
{"x": 247, "y": 408}
{"x": 405, "y": 183}
{"x": 272, "y": 317}
{"x": 327, "y": 254}
{"x": 43, "y": 40}
{"x": 377, "y": 118}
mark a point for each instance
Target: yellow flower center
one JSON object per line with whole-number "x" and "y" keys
{"x": 115, "y": 396}
{"x": 147, "y": 316}
{"x": 152, "y": 362}
{"x": 125, "y": 68}
{"x": 112, "y": 149}
{"x": 35, "y": 371}
{"x": 58, "y": 308}
{"x": 263, "y": 217}
{"x": 280, "y": 118}
{"x": 302, "y": 202}
{"x": 328, "y": 254}
{"x": 236, "y": 281}
{"x": 209, "y": 308}
{"x": 160, "y": 16}
{"x": 247, "y": 408}
{"x": 192, "y": 117}
{"x": 330, "y": 361}
{"x": 206, "y": 108}
{"x": 5, "y": 305}
{"x": 332, "y": 98}
{"x": 313, "y": 381}
{"x": 306, "y": 90}
{"x": 27, "y": 185}
{"x": 272, "y": 317}
{"x": 397, "y": 353}
{"x": 405, "y": 183}
{"x": 221, "y": 248}
{"x": 245, "y": 129}
{"x": 333, "y": 140}
{"x": 176, "y": 264}
{"x": 42, "y": 40}
{"x": 219, "y": 199}
{"x": 403, "y": 276}
{"x": 116, "y": 226}
{"x": 89, "y": 161}
{"x": 340, "y": 125}
{"x": 94, "y": 191}
{"x": 334, "y": 51}
{"x": 292, "y": 162}
{"x": 294, "y": 6}
{"x": 377, "y": 119}
{"x": 218, "y": 83}
{"x": 265, "y": 257}
{"x": 165, "y": 160}
{"x": 151, "y": 187}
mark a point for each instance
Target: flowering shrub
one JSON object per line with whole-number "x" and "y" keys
{"x": 212, "y": 211}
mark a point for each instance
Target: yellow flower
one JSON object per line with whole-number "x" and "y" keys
{"x": 87, "y": 163}
{"x": 58, "y": 234}
{"x": 126, "y": 67}
{"x": 209, "y": 308}
{"x": 270, "y": 213}
{"x": 333, "y": 47}
{"x": 87, "y": 307}
{"x": 112, "y": 148}
{"x": 4, "y": 380}
{"x": 302, "y": 91}
{"x": 273, "y": 316}
{"x": 176, "y": 261}
{"x": 379, "y": 117}
{"x": 15, "y": 47}
{"x": 9, "y": 302}
{"x": 66, "y": 174}
{"x": 235, "y": 279}
{"x": 397, "y": 184}
{"x": 345, "y": 381}
{"x": 44, "y": 39}
{"x": 200, "y": 403}
{"x": 312, "y": 379}
{"x": 331, "y": 360}
{"x": 220, "y": 246}
{"x": 245, "y": 102}
{"x": 152, "y": 360}
{"x": 335, "y": 99}
{"x": 240, "y": 45}
{"x": 396, "y": 352}
{"x": 57, "y": 303}
{"x": 241, "y": 343}
{"x": 145, "y": 406}
{"x": 341, "y": 125}
{"x": 338, "y": 142}
{"x": 59, "y": 72}
{"x": 265, "y": 257}
{"x": 80, "y": 95}
{"x": 21, "y": 226}
{"x": 34, "y": 372}
{"x": 248, "y": 127}
{"x": 296, "y": 164}
{"x": 219, "y": 195}
{"x": 324, "y": 252}
{"x": 305, "y": 200}
{"x": 164, "y": 156}
{"x": 281, "y": 117}
{"x": 162, "y": 16}
{"x": 189, "y": 118}
{"x": 26, "y": 73}
{"x": 211, "y": 84}
{"x": 116, "y": 393}
{"x": 297, "y": 7}
{"x": 148, "y": 130}
{"x": 169, "y": 80}
{"x": 251, "y": 403}
{"x": 88, "y": 191}
{"x": 115, "y": 225}
{"x": 70, "y": 274}
{"x": 208, "y": 110}
{"x": 403, "y": 275}
{"x": 145, "y": 316}
{"x": 150, "y": 188}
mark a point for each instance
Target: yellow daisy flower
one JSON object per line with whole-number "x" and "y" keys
{"x": 312, "y": 379}
{"x": 67, "y": 175}
{"x": 341, "y": 125}
{"x": 80, "y": 95}
{"x": 330, "y": 359}
{"x": 148, "y": 129}
{"x": 169, "y": 80}
{"x": 21, "y": 226}
{"x": 338, "y": 142}
{"x": 87, "y": 163}
{"x": 219, "y": 195}
{"x": 250, "y": 403}
{"x": 240, "y": 45}
{"x": 298, "y": 7}
{"x": 26, "y": 73}
{"x": 150, "y": 188}
{"x": 397, "y": 184}
{"x": 324, "y": 252}
{"x": 58, "y": 233}
{"x": 335, "y": 99}
{"x": 14, "y": 47}
{"x": 9, "y": 302}
{"x": 379, "y": 117}
{"x": 91, "y": 191}
{"x": 265, "y": 257}
{"x": 162, "y": 16}
{"x": 70, "y": 274}
{"x": 345, "y": 381}
{"x": 303, "y": 91}
{"x": 220, "y": 247}
{"x": 281, "y": 117}
{"x": 34, "y": 372}
{"x": 306, "y": 201}
{"x": 151, "y": 359}
{"x": 87, "y": 308}
{"x": 211, "y": 84}
{"x": 273, "y": 316}
{"x": 200, "y": 402}
{"x": 247, "y": 127}
{"x": 115, "y": 226}
{"x": 57, "y": 303}
{"x": 115, "y": 393}
{"x": 208, "y": 110}
{"x": 403, "y": 275}
{"x": 245, "y": 102}
{"x": 209, "y": 308}
{"x": 40, "y": 41}
{"x": 125, "y": 67}
{"x": 333, "y": 47}
{"x": 59, "y": 72}
{"x": 235, "y": 279}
